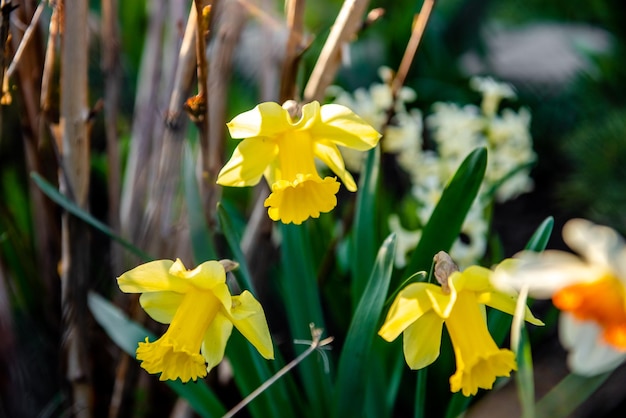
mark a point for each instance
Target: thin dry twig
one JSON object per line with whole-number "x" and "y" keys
{"x": 295, "y": 20}
{"x": 411, "y": 49}
{"x": 25, "y": 39}
{"x": 349, "y": 21}
{"x": 316, "y": 343}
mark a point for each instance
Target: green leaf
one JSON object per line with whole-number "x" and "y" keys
{"x": 233, "y": 239}
{"x": 201, "y": 237}
{"x": 524, "y": 376}
{"x": 52, "y": 192}
{"x": 352, "y": 374}
{"x": 539, "y": 240}
{"x": 566, "y": 396}
{"x": 444, "y": 225}
{"x": 300, "y": 293}
{"x": 364, "y": 236}
{"x": 420, "y": 393}
{"x": 126, "y": 334}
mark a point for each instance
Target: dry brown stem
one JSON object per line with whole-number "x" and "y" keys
{"x": 295, "y": 18}
{"x": 411, "y": 49}
{"x": 349, "y": 21}
{"x": 74, "y": 183}
{"x": 146, "y": 115}
{"x": 112, "y": 79}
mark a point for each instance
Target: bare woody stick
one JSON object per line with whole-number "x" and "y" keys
{"x": 74, "y": 181}
{"x": 112, "y": 74}
{"x": 348, "y": 22}
{"x": 295, "y": 17}
{"x": 411, "y": 49}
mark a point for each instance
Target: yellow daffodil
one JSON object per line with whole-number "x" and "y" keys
{"x": 282, "y": 146}
{"x": 201, "y": 312}
{"x": 590, "y": 291}
{"x": 420, "y": 310}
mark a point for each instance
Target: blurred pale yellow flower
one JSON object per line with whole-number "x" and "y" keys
{"x": 420, "y": 310}
{"x": 201, "y": 312}
{"x": 283, "y": 148}
{"x": 590, "y": 291}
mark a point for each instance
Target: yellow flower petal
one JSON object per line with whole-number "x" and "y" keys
{"x": 177, "y": 352}
{"x": 443, "y": 303}
{"x": 409, "y": 305}
{"x": 478, "y": 359}
{"x": 343, "y": 127}
{"x": 154, "y": 276}
{"x": 248, "y": 317}
{"x": 330, "y": 155}
{"x": 422, "y": 340}
{"x": 305, "y": 197}
{"x": 206, "y": 276}
{"x": 266, "y": 119}
{"x": 248, "y": 162}
{"x": 506, "y": 303}
{"x": 161, "y": 306}
{"x": 215, "y": 339}
{"x": 163, "y": 356}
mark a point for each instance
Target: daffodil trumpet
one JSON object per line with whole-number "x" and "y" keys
{"x": 201, "y": 313}
{"x": 281, "y": 144}
{"x": 421, "y": 309}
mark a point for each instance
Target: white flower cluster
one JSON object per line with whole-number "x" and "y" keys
{"x": 456, "y": 131}
{"x": 403, "y": 134}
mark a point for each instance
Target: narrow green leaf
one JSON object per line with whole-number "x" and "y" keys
{"x": 524, "y": 376}
{"x": 420, "y": 394}
{"x": 300, "y": 293}
{"x": 126, "y": 334}
{"x": 233, "y": 239}
{"x": 201, "y": 237}
{"x": 444, "y": 225}
{"x": 353, "y": 367}
{"x": 52, "y": 192}
{"x": 490, "y": 193}
{"x": 364, "y": 234}
{"x": 539, "y": 240}
{"x": 566, "y": 396}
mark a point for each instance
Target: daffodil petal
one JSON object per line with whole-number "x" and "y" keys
{"x": 410, "y": 304}
{"x": 206, "y": 276}
{"x": 266, "y": 119}
{"x": 248, "y": 162}
{"x": 474, "y": 278}
{"x": 249, "y": 318}
{"x": 161, "y": 306}
{"x": 305, "y": 197}
{"x": 215, "y": 339}
{"x": 544, "y": 273}
{"x": 588, "y": 354}
{"x": 330, "y": 155}
{"x": 442, "y": 303}
{"x": 598, "y": 244}
{"x": 154, "y": 276}
{"x": 343, "y": 127}
{"x": 422, "y": 340}
{"x": 505, "y": 303}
